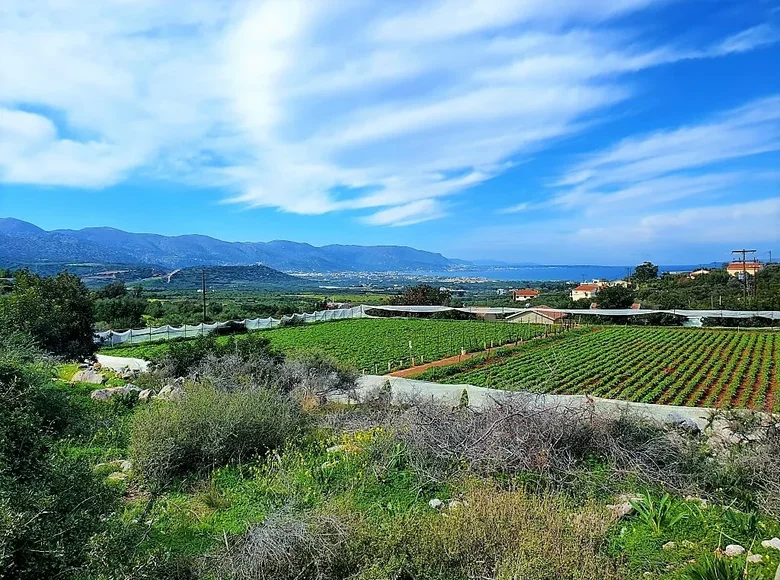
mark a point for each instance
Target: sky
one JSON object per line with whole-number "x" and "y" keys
{"x": 555, "y": 131}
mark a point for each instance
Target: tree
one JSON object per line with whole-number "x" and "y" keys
{"x": 422, "y": 295}
{"x": 615, "y": 297}
{"x": 57, "y": 312}
{"x": 112, "y": 290}
{"x": 645, "y": 272}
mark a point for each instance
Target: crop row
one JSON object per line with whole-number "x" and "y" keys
{"x": 381, "y": 344}
{"x": 692, "y": 367}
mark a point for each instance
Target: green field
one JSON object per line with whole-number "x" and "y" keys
{"x": 722, "y": 368}
{"x": 375, "y": 345}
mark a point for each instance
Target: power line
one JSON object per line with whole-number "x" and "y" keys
{"x": 744, "y": 269}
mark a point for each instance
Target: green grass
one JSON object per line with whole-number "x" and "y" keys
{"x": 724, "y": 368}
{"x": 374, "y": 344}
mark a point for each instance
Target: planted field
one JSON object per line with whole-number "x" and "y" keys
{"x": 706, "y": 368}
{"x": 376, "y": 345}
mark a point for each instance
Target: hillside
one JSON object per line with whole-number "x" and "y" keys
{"x": 225, "y": 277}
{"x": 25, "y": 243}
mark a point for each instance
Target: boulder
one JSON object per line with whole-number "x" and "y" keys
{"x": 623, "y": 508}
{"x": 145, "y": 395}
{"x": 755, "y": 558}
{"x": 108, "y": 394}
{"x": 436, "y": 503}
{"x": 171, "y": 392}
{"x": 89, "y": 376}
{"x": 777, "y": 574}
{"x": 683, "y": 423}
{"x": 773, "y": 543}
{"x": 669, "y": 546}
{"x": 733, "y": 550}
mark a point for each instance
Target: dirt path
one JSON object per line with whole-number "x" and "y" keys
{"x": 416, "y": 370}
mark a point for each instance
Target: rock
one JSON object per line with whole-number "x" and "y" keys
{"x": 435, "y": 503}
{"x": 454, "y": 503}
{"x": 126, "y": 465}
{"x": 171, "y": 392}
{"x": 683, "y": 423}
{"x": 335, "y": 449}
{"x": 118, "y": 476}
{"x": 145, "y": 395}
{"x": 777, "y": 574}
{"x": 773, "y": 543}
{"x": 89, "y": 376}
{"x": 733, "y": 550}
{"x": 83, "y": 366}
{"x": 701, "y": 501}
{"x": 108, "y": 394}
{"x": 688, "y": 544}
{"x": 755, "y": 558}
{"x": 669, "y": 546}
{"x": 624, "y": 507}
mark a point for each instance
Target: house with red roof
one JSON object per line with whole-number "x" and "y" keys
{"x": 585, "y": 291}
{"x": 524, "y": 295}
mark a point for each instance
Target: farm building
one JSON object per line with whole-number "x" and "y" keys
{"x": 585, "y": 291}
{"x": 621, "y": 283}
{"x": 537, "y": 316}
{"x": 524, "y": 295}
{"x": 700, "y": 272}
{"x": 736, "y": 268}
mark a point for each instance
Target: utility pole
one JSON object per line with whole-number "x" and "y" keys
{"x": 744, "y": 253}
{"x": 203, "y": 291}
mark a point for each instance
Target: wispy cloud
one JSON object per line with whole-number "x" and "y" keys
{"x": 291, "y": 104}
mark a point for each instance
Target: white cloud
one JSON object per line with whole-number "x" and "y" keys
{"x": 743, "y": 132}
{"x": 312, "y": 107}
{"x": 403, "y": 215}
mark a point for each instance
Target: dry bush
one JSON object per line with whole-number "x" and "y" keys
{"x": 519, "y": 435}
{"x": 500, "y": 534}
{"x": 209, "y": 428}
{"x": 489, "y": 533}
{"x": 282, "y": 547}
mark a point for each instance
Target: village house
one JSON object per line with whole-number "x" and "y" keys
{"x": 700, "y": 272}
{"x": 524, "y": 295}
{"x": 585, "y": 291}
{"x": 622, "y": 283}
{"x": 737, "y": 268}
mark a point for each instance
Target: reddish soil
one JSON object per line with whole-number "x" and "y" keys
{"x": 416, "y": 370}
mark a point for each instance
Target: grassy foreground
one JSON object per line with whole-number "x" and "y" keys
{"x": 250, "y": 473}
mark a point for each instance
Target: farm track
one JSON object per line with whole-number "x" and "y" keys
{"x": 724, "y": 368}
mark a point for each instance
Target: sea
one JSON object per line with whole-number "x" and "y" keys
{"x": 549, "y": 273}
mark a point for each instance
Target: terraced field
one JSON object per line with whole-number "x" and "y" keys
{"x": 693, "y": 367}
{"x": 377, "y": 345}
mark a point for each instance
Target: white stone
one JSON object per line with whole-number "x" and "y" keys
{"x": 145, "y": 395}
{"x": 89, "y": 376}
{"x": 755, "y": 558}
{"x": 107, "y": 394}
{"x": 435, "y": 503}
{"x": 773, "y": 543}
{"x": 669, "y": 546}
{"x": 734, "y": 550}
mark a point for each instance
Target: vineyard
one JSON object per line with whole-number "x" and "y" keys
{"x": 708, "y": 368}
{"x": 377, "y": 345}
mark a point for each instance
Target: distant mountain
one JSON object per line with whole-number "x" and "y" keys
{"x": 25, "y": 243}
{"x": 229, "y": 277}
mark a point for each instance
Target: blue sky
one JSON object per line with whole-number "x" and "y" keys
{"x": 559, "y": 131}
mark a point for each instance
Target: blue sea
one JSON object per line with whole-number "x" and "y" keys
{"x": 543, "y": 273}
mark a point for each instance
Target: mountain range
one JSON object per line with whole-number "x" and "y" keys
{"x": 23, "y": 243}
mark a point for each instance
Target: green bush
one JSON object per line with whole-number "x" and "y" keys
{"x": 50, "y": 504}
{"x": 207, "y": 429}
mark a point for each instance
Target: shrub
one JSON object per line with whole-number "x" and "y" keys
{"x": 209, "y": 428}
{"x": 49, "y": 504}
{"x": 488, "y": 533}
{"x": 283, "y": 546}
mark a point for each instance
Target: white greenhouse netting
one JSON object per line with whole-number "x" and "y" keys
{"x": 111, "y": 337}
